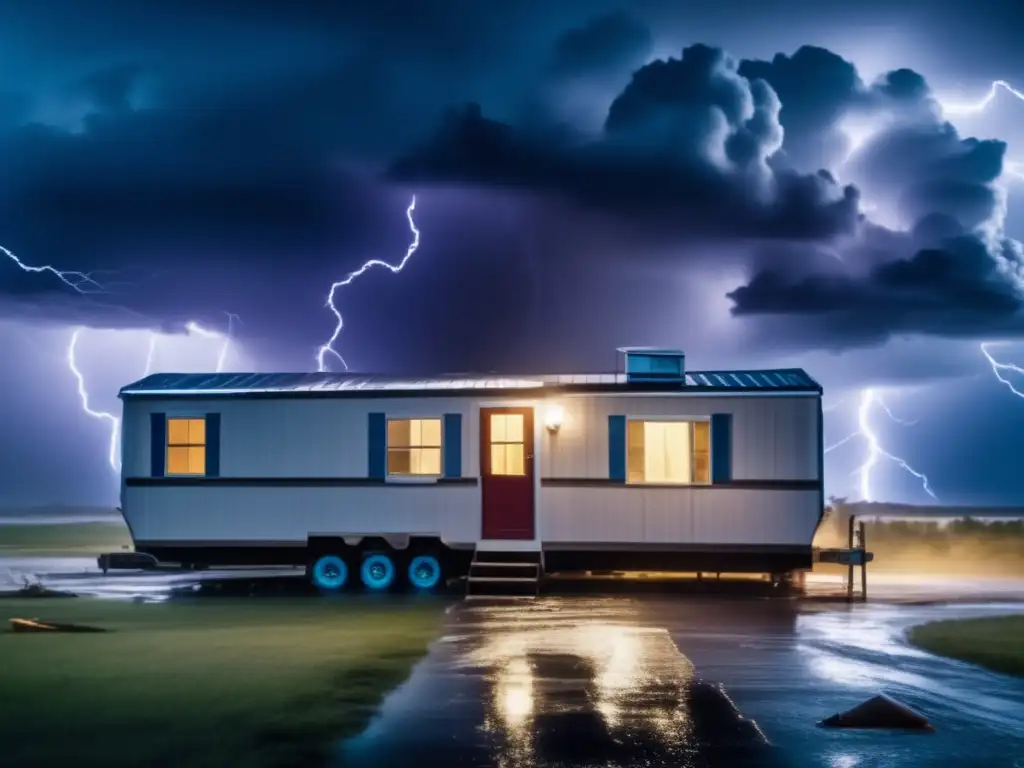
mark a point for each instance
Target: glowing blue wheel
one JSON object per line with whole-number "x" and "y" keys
{"x": 424, "y": 572}
{"x": 329, "y": 572}
{"x": 378, "y": 572}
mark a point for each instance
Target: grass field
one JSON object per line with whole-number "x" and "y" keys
{"x": 69, "y": 540}
{"x": 996, "y": 643}
{"x": 212, "y": 682}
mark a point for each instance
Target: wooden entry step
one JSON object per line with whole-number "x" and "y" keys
{"x": 505, "y": 574}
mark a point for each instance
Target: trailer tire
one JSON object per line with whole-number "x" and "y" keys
{"x": 425, "y": 571}
{"x": 329, "y": 572}
{"x": 378, "y": 571}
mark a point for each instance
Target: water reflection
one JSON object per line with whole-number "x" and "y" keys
{"x": 595, "y": 693}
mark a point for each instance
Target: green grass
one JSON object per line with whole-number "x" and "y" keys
{"x": 72, "y": 539}
{"x": 212, "y": 682}
{"x": 996, "y": 643}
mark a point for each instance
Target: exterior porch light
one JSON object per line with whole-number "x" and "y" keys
{"x": 554, "y": 415}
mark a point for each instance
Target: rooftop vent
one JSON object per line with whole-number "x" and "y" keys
{"x": 650, "y": 364}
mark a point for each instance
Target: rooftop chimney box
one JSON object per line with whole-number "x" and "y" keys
{"x": 664, "y": 365}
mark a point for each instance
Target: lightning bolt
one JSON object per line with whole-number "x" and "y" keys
{"x": 837, "y": 404}
{"x": 974, "y": 107}
{"x": 80, "y": 282}
{"x": 194, "y": 327}
{"x": 113, "y": 443}
{"x": 150, "y": 354}
{"x": 998, "y": 367}
{"x": 328, "y": 348}
{"x": 869, "y": 398}
{"x": 84, "y": 284}
{"x": 83, "y": 396}
{"x": 1013, "y": 167}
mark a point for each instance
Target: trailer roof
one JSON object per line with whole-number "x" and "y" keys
{"x": 341, "y": 384}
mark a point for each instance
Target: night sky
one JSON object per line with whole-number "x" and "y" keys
{"x": 762, "y": 184}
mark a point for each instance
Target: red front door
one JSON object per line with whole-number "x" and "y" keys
{"x": 506, "y": 472}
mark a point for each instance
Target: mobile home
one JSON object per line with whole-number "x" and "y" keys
{"x": 375, "y": 481}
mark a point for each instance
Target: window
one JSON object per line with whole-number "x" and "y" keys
{"x": 186, "y": 446}
{"x": 508, "y": 444}
{"x": 414, "y": 446}
{"x": 668, "y": 452}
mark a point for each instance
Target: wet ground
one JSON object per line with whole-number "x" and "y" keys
{"x": 558, "y": 682}
{"x": 670, "y": 681}
{"x": 624, "y": 682}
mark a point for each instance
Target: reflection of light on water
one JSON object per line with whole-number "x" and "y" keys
{"x": 843, "y": 761}
{"x": 515, "y": 691}
{"x": 620, "y": 673}
{"x": 617, "y": 654}
{"x": 839, "y": 670}
{"x": 855, "y": 630}
{"x": 867, "y": 650}
{"x": 620, "y": 669}
{"x": 850, "y": 649}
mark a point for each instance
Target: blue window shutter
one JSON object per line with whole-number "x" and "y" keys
{"x": 617, "y": 449}
{"x": 377, "y": 445}
{"x": 213, "y": 445}
{"x": 721, "y": 447}
{"x": 452, "y": 445}
{"x": 157, "y": 443}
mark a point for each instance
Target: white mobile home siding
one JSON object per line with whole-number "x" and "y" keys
{"x": 774, "y": 438}
{"x": 295, "y": 438}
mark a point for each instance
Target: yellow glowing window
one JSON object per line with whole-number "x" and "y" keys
{"x": 668, "y": 452}
{"x": 186, "y": 446}
{"x": 508, "y": 444}
{"x": 414, "y": 446}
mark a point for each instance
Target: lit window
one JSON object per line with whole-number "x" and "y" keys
{"x": 668, "y": 452}
{"x": 508, "y": 444}
{"x": 414, "y": 446}
{"x": 186, "y": 446}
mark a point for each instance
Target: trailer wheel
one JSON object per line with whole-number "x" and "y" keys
{"x": 425, "y": 572}
{"x": 377, "y": 572}
{"x": 329, "y": 572}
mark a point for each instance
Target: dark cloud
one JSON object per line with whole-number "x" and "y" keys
{"x": 903, "y": 85}
{"x": 606, "y": 46}
{"x": 952, "y": 274}
{"x": 255, "y": 138}
{"x": 686, "y": 142}
{"x": 922, "y": 169}
{"x": 954, "y": 290}
{"x": 712, "y": 147}
{"x": 111, "y": 90}
{"x": 817, "y": 89}
{"x": 222, "y": 162}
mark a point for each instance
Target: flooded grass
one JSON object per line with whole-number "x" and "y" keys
{"x": 994, "y": 643}
{"x": 215, "y": 682}
{"x": 63, "y": 539}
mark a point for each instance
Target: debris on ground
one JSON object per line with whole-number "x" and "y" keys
{"x": 39, "y": 625}
{"x": 35, "y": 589}
{"x": 880, "y": 711}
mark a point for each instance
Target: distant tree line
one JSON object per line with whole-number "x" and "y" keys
{"x": 962, "y": 545}
{"x": 953, "y": 523}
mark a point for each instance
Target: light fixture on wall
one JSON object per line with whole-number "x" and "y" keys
{"x": 554, "y": 415}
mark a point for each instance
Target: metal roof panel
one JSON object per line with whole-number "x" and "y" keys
{"x": 170, "y": 384}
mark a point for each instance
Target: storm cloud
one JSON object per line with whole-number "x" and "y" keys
{"x": 708, "y": 148}
{"x": 684, "y": 145}
{"x": 160, "y": 177}
{"x": 604, "y": 47}
{"x": 943, "y": 266}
